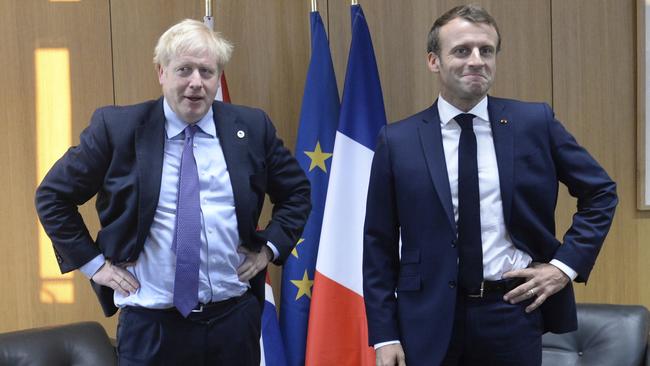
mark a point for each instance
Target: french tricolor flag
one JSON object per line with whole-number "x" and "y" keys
{"x": 338, "y": 333}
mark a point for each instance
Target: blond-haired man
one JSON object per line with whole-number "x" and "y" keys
{"x": 180, "y": 183}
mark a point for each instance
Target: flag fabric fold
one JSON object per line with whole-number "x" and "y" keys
{"x": 338, "y": 332}
{"x": 315, "y": 143}
{"x": 271, "y": 346}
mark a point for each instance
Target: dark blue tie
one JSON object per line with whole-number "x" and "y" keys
{"x": 187, "y": 237}
{"x": 469, "y": 208}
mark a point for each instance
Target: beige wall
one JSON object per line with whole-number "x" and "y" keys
{"x": 577, "y": 55}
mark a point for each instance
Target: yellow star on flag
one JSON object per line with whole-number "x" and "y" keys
{"x": 295, "y": 249}
{"x": 304, "y": 286}
{"x": 318, "y": 158}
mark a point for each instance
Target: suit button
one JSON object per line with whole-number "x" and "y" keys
{"x": 452, "y": 284}
{"x": 454, "y": 243}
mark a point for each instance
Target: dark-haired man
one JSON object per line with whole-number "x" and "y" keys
{"x": 469, "y": 185}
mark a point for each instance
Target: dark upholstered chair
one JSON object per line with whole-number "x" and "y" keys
{"x": 75, "y": 344}
{"x": 612, "y": 335}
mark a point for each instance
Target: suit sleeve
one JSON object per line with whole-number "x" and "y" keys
{"x": 289, "y": 191}
{"x": 381, "y": 248}
{"x": 596, "y": 198}
{"x": 73, "y": 180}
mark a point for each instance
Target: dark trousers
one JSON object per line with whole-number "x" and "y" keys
{"x": 225, "y": 333}
{"x": 489, "y": 331}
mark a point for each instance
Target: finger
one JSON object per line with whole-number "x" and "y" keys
{"x": 129, "y": 283}
{"x": 243, "y": 250}
{"x": 519, "y": 291}
{"x": 537, "y": 303}
{"x": 250, "y": 273}
{"x": 244, "y": 267}
{"x": 526, "y": 273}
{"x": 126, "y": 279}
{"x": 115, "y": 285}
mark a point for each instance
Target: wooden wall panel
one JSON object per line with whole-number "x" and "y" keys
{"x": 399, "y": 32}
{"x": 595, "y": 96}
{"x": 577, "y": 55}
{"x": 83, "y": 29}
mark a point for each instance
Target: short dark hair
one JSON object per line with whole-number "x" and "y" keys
{"x": 473, "y": 13}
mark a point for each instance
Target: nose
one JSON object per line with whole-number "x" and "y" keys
{"x": 195, "y": 80}
{"x": 475, "y": 58}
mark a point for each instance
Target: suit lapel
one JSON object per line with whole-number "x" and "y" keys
{"x": 149, "y": 147}
{"x": 233, "y": 137}
{"x": 434, "y": 154}
{"x": 503, "y": 136}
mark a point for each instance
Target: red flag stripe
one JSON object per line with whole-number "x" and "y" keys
{"x": 337, "y": 324}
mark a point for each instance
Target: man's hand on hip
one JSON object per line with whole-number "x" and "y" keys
{"x": 390, "y": 355}
{"x": 117, "y": 278}
{"x": 254, "y": 263}
{"x": 542, "y": 281}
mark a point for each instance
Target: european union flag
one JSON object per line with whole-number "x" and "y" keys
{"x": 314, "y": 146}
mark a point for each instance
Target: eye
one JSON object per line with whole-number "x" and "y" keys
{"x": 461, "y": 51}
{"x": 184, "y": 71}
{"x": 487, "y": 51}
{"x": 206, "y": 72}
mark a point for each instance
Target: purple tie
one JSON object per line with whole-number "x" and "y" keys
{"x": 187, "y": 237}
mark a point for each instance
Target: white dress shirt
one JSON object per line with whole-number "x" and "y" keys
{"x": 499, "y": 253}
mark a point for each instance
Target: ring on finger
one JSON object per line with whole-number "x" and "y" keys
{"x": 531, "y": 293}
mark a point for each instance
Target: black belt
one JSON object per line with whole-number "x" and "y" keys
{"x": 500, "y": 287}
{"x": 201, "y": 310}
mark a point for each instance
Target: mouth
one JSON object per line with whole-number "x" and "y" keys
{"x": 475, "y": 76}
{"x": 194, "y": 99}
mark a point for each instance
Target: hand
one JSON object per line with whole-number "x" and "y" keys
{"x": 390, "y": 355}
{"x": 254, "y": 262}
{"x": 542, "y": 280}
{"x": 117, "y": 278}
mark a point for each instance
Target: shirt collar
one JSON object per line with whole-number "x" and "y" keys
{"x": 174, "y": 125}
{"x": 447, "y": 112}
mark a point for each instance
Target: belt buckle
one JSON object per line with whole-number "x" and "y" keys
{"x": 480, "y": 293}
{"x": 199, "y": 310}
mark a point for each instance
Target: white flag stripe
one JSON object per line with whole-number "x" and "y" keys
{"x": 268, "y": 294}
{"x": 341, "y": 244}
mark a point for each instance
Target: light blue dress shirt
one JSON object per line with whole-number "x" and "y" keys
{"x": 155, "y": 266}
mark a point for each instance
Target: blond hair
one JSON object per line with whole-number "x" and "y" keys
{"x": 191, "y": 37}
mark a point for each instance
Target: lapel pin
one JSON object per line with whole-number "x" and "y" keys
{"x": 503, "y": 121}
{"x": 241, "y": 134}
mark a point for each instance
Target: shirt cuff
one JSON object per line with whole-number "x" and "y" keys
{"x": 89, "y": 269}
{"x": 564, "y": 268}
{"x": 275, "y": 251}
{"x": 381, "y": 344}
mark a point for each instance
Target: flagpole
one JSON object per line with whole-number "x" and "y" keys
{"x": 314, "y": 5}
{"x": 208, "y": 19}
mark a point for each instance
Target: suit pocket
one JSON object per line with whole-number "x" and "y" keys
{"x": 409, "y": 283}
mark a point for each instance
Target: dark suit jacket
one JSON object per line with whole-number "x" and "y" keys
{"x": 120, "y": 158}
{"x": 409, "y": 194}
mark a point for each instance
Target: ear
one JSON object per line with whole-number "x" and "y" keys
{"x": 433, "y": 62}
{"x": 160, "y": 70}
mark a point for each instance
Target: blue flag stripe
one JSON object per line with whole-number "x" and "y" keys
{"x": 318, "y": 123}
{"x": 362, "y": 108}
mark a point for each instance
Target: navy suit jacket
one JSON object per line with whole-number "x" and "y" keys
{"x": 120, "y": 158}
{"x": 409, "y": 194}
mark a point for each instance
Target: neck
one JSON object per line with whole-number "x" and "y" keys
{"x": 464, "y": 105}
